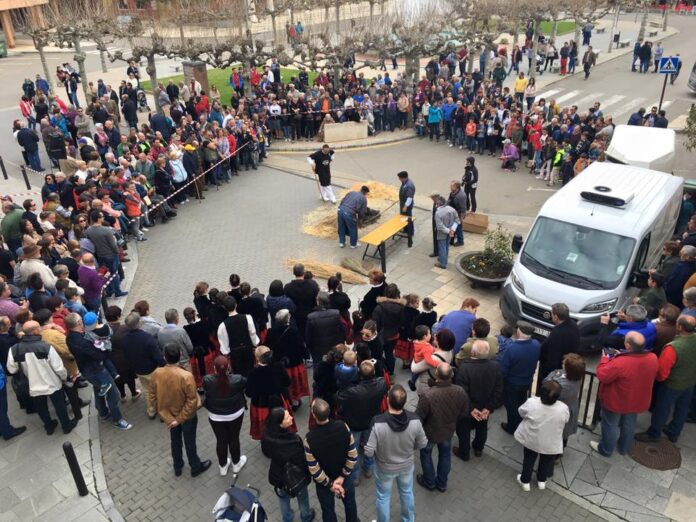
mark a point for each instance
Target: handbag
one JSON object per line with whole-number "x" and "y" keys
{"x": 20, "y": 382}
{"x": 294, "y": 479}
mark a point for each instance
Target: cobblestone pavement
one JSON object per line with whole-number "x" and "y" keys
{"x": 138, "y": 463}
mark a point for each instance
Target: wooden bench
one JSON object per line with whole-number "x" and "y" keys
{"x": 601, "y": 30}
{"x": 378, "y": 237}
{"x": 652, "y": 34}
{"x": 624, "y": 43}
{"x": 655, "y": 23}
{"x": 177, "y": 68}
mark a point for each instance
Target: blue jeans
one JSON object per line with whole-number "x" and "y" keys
{"x": 187, "y": 430}
{"x": 444, "y": 464}
{"x": 110, "y": 403}
{"x": 34, "y": 160}
{"x": 383, "y": 486}
{"x": 443, "y": 251}
{"x": 617, "y": 425}
{"x": 471, "y": 143}
{"x": 303, "y": 502}
{"x": 347, "y": 224}
{"x": 666, "y": 398}
{"x": 360, "y": 438}
{"x": 328, "y": 508}
{"x": 6, "y": 428}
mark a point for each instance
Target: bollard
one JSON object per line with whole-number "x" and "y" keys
{"x": 26, "y": 178}
{"x": 2, "y": 167}
{"x": 75, "y": 469}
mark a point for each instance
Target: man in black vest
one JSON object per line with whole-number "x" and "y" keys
{"x": 237, "y": 338}
{"x": 303, "y": 293}
{"x": 407, "y": 193}
{"x": 331, "y": 455}
{"x": 321, "y": 165}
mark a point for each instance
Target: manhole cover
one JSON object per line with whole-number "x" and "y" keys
{"x": 661, "y": 455}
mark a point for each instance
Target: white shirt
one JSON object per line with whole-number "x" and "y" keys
{"x": 224, "y": 340}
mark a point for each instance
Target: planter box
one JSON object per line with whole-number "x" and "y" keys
{"x": 478, "y": 281}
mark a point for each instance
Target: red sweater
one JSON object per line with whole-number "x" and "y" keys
{"x": 626, "y": 381}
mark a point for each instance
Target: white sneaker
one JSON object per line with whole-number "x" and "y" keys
{"x": 341, "y": 245}
{"x": 525, "y": 487}
{"x": 541, "y": 485}
{"x": 144, "y": 229}
{"x": 451, "y": 145}
{"x": 223, "y": 469}
{"x": 357, "y": 245}
{"x": 461, "y": 147}
{"x": 594, "y": 445}
{"x": 236, "y": 468}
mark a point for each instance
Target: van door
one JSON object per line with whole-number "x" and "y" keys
{"x": 638, "y": 273}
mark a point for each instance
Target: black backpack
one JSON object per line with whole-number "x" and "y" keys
{"x": 20, "y": 382}
{"x": 294, "y": 479}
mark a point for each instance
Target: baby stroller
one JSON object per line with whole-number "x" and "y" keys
{"x": 239, "y": 505}
{"x": 540, "y": 63}
{"x": 142, "y": 101}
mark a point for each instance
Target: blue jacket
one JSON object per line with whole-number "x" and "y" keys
{"x": 2, "y": 378}
{"x": 519, "y": 362}
{"x": 447, "y": 111}
{"x": 142, "y": 351}
{"x": 647, "y": 328}
{"x": 459, "y": 323}
{"x": 434, "y": 114}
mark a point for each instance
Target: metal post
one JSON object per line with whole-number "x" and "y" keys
{"x": 26, "y": 178}
{"x": 2, "y": 167}
{"x": 75, "y": 469}
{"x": 662, "y": 96}
{"x": 613, "y": 27}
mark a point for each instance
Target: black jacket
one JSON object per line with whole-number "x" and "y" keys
{"x": 28, "y": 139}
{"x": 324, "y": 331}
{"x": 483, "y": 382}
{"x": 341, "y": 302}
{"x": 367, "y": 305}
{"x": 88, "y": 358}
{"x": 303, "y": 293}
{"x": 142, "y": 351}
{"x": 281, "y": 448}
{"x": 285, "y": 342}
{"x": 266, "y": 384}
{"x": 389, "y": 315}
{"x": 564, "y": 338}
{"x": 360, "y": 402}
{"x": 254, "y": 306}
{"x": 221, "y": 401}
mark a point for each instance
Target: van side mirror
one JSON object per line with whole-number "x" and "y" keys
{"x": 517, "y": 242}
{"x": 639, "y": 279}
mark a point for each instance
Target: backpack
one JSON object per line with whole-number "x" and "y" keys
{"x": 294, "y": 479}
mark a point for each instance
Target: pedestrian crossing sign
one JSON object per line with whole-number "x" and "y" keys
{"x": 669, "y": 64}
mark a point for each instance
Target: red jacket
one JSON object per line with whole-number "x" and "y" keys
{"x": 626, "y": 381}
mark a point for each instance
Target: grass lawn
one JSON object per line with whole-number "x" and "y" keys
{"x": 564, "y": 26}
{"x": 221, "y": 79}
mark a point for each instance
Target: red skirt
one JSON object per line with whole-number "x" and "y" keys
{"x": 209, "y": 367}
{"x": 384, "y": 405}
{"x": 262, "y": 335}
{"x": 403, "y": 350}
{"x": 258, "y": 416}
{"x": 299, "y": 385}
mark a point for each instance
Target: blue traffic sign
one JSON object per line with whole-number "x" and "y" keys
{"x": 669, "y": 65}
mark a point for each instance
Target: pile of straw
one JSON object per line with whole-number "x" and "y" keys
{"x": 321, "y": 222}
{"x": 326, "y": 270}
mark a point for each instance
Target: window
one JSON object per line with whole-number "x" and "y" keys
{"x": 123, "y": 5}
{"x": 141, "y": 4}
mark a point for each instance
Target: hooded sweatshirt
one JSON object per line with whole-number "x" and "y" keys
{"x": 393, "y": 439}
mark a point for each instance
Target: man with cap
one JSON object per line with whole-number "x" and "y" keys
{"x": 433, "y": 196}
{"x": 407, "y": 193}
{"x": 352, "y": 208}
{"x": 321, "y": 166}
{"x": 518, "y": 363}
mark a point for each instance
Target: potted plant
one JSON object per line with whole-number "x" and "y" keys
{"x": 491, "y": 266}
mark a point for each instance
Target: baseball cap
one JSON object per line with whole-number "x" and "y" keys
{"x": 90, "y": 320}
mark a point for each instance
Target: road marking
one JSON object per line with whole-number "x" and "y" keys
{"x": 665, "y": 104}
{"x": 568, "y": 96}
{"x": 531, "y": 189}
{"x": 611, "y": 101}
{"x": 549, "y": 93}
{"x": 590, "y": 97}
{"x": 633, "y": 105}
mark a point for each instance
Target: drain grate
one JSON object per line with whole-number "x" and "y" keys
{"x": 660, "y": 455}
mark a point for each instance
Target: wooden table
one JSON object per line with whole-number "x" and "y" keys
{"x": 378, "y": 237}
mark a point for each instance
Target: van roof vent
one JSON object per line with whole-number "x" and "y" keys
{"x": 603, "y": 195}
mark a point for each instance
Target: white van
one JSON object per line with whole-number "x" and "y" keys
{"x": 647, "y": 147}
{"x": 588, "y": 243}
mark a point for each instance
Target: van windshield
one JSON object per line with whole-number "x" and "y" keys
{"x": 575, "y": 255}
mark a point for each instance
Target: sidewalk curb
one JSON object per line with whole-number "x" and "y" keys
{"x": 311, "y": 146}
{"x": 565, "y": 493}
{"x": 100, "y": 482}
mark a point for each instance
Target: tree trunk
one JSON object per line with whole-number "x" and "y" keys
{"x": 151, "y": 71}
{"x": 381, "y": 7}
{"x": 326, "y": 17}
{"x": 80, "y": 59}
{"x": 215, "y": 35}
{"x": 102, "y": 58}
{"x": 338, "y": 20}
{"x": 535, "y": 46}
{"x": 577, "y": 35}
{"x": 515, "y": 34}
{"x": 44, "y": 64}
{"x": 643, "y": 23}
{"x": 372, "y": 13}
{"x": 554, "y": 29}
{"x": 274, "y": 29}
{"x": 412, "y": 72}
{"x": 182, "y": 37}
{"x": 613, "y": 26}
{"x": 292, "y": 16}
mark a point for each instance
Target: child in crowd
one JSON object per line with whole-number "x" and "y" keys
{"x": 100, "y": 336}
{"x": 422, "y": 350}
{"x": 419, "y": 125}
{"x": 346, "y": 372}
{"x": 504, "y": 340}
{"x": 74, "y": 304}
{"x": 428, "y": 316}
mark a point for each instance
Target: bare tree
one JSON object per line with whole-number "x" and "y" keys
{"x": 41, "y": 35}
